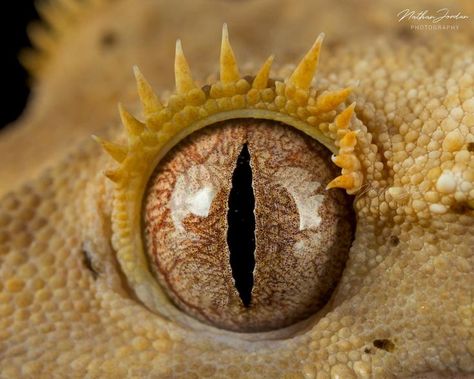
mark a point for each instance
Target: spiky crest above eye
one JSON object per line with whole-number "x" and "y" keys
{"x": 291, "y": 101}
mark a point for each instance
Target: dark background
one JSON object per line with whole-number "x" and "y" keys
{"x": 15, "y": 15}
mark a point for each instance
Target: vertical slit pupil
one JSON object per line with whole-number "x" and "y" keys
{"x": 241, "y": 227}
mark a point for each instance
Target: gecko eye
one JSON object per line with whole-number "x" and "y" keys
{"x": 227, "y": 199}
{"x": 240, "y": 229}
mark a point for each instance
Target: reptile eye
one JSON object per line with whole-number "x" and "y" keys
{"x": 226, "y": 199}
{"x": 240, "y": 229}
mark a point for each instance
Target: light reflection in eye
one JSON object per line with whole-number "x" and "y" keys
{"x": 273, "y": 263}
{"x": 190, "y": 198}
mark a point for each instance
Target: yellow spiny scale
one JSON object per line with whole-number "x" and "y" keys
{"x": 182, "y": 72}
{"x": 229, "y": 71}
{"x": 306, "y": 69}
{"x": 347, "y": 161}
{"x": 150, "y": 102}
{"x": 133, "y": 126}
{"x": 331, "y": 99}
{"x": 117, "y": 152}
{"x": 261, "y": 80}
{"x": 343, "y": 119}
{"x": 41, "y": 38}
{"x": 58, "y": 18}
{"x": 349, "y": 140}
{"x": 345, "y": 181}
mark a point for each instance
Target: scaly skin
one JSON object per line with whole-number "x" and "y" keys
{"x": 404, "y": 305}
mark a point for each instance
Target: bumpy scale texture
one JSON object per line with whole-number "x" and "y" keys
{"x": 403, "y": 307}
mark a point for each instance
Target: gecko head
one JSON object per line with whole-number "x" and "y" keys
{"x": 391, "y": 298}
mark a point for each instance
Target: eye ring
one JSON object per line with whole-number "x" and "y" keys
{"x": 292, "y": 102}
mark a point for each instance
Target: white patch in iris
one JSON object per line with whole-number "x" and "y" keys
{"x": 199, "y": 203}
{"x": 298, "y": 183}
{"x": 190, "y": 196}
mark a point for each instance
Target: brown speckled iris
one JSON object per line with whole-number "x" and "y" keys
{"x": 302, "y": 231}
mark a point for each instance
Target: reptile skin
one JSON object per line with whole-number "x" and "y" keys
{"x": 404, "y": 305}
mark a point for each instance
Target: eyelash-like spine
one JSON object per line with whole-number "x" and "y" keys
{"x": 58, "y": 18}
{"x": 352, "y": 176}
{"x": 294, "y": 98}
